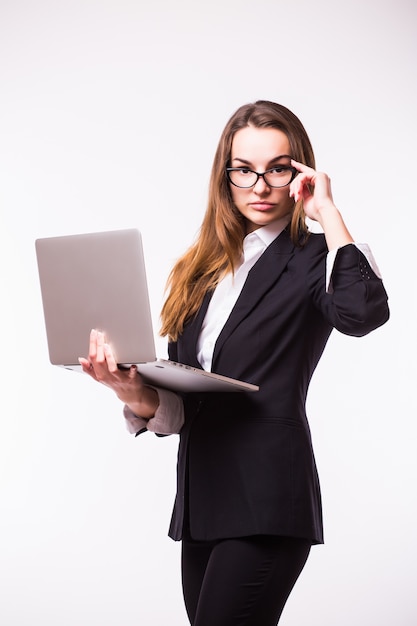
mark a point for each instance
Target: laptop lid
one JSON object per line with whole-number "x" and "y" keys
{"x": 98, "y": 280}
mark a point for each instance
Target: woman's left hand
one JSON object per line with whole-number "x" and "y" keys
{"x": 313, "y": 188}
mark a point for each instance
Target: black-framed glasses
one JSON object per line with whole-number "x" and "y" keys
{"x": 278, "y": 176}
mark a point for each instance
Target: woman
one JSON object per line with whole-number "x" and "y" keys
{"x": 254, "y": 300}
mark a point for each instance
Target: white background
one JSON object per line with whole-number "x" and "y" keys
{"x": 110, "y": 113}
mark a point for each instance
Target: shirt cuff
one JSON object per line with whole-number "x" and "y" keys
{"x": 331, "y": 257}
{"x": 168, "y": 418}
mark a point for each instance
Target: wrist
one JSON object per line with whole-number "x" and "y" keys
{"x": 146, "y": 404}
{"x": 334, "y": 228}
{"x": 328, "y": 211}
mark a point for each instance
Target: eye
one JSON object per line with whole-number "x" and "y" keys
{"x": 278, "y": 169}
{"x": 244, "y": 170}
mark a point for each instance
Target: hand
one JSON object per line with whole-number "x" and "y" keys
{"x": 127, "y": 384}
{"x": 314, "y": 189}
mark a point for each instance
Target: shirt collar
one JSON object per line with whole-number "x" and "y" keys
{"x": 268, "y": 233}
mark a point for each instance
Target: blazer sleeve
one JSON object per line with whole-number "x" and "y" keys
{"x": 358, "y": 303}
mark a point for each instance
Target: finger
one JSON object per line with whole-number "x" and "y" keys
{"x": 301, "y": 167}
{"x": 133, "y": 371}
{"x": 306, "y": 177}
{"x": 87, "y": 367}
{"x": 100, "y": 355}
{"x": 109, "y": 357}
{"x": 301, "y": 186}
{"x": 92, "y": 350}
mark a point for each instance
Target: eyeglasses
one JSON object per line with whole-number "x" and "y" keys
{"x": 278, "y": 176}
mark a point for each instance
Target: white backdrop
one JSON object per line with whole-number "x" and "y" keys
{"x": 110, "y": 112}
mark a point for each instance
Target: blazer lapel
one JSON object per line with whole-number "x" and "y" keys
{"x": 261, "y": 277}
{"x": 191, "y": 333}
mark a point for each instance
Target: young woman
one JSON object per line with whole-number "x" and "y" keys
{"x": 255, "y": 298}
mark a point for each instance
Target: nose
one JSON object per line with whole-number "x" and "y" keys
{"x": 261, "y": 186}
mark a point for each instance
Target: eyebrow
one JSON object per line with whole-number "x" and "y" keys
{"x": 278, "y": 158}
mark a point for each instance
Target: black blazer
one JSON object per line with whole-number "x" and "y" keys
{"x": 245, "y": 461}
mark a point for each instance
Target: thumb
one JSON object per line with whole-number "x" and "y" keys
{"x": 133, "y": 371}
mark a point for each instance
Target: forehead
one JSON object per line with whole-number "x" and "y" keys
{"x": 253, "y": 144}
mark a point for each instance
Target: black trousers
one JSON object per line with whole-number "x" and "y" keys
{"x": 240, "y": 582}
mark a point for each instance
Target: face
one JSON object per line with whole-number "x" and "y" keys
{"x": 260, "y": 149}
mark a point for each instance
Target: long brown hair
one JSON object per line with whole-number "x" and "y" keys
{"x": 220, "y": 240}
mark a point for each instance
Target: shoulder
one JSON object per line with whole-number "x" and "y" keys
{"x": 316, "y": 241}
{"x": 313, "y": 245}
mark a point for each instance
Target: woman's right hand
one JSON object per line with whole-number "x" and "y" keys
{"x": 127, "y": 384}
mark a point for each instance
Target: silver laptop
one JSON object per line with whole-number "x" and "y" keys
{"x": 98, "y": 280}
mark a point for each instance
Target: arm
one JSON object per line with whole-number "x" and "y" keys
{"x": 168, "y": 418}
{"x": 356, "y": 302}
{"x": 331, "y": 258}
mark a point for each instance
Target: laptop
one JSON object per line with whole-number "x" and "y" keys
{"x": 98, "y": 280}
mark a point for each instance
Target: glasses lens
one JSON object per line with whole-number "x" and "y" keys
{"x": 278, "y": 176}
{"x": 242, "y": 177}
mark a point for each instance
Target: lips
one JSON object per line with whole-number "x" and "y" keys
{"x": 262, "y": 206}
